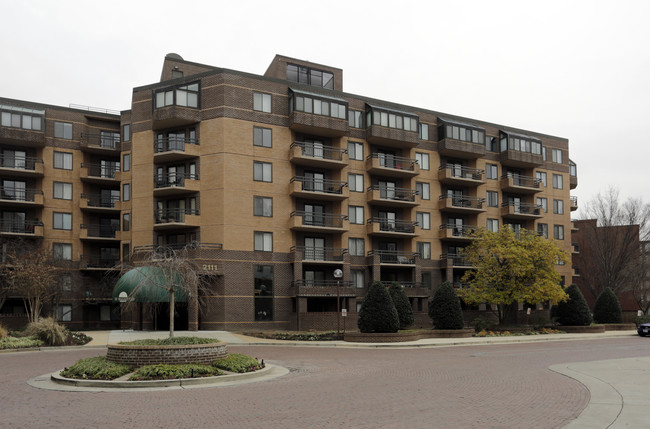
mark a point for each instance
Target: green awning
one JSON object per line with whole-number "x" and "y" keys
{"x": 149, "y": 284}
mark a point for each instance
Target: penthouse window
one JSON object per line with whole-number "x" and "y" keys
{"x": 520, "y": 143}
{"x": 21, "y": 117}
{"x": 390, "y": 118}
{"x": 318, "y": 105}
{"x": 310, "y": 76}
{"x": 183, "y": 95}
{"x": 463, "y": 132}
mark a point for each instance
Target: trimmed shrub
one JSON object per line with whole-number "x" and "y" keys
{"x": 236, "y": 362}
{"x": 174, "y": 341}
{"x": 49, "y": 331}
{"x": 3, "y": 331}
{"x": 171, "y": 372}
{"x": 574, "y": 311}
{"x": 445, "y": 310}
{"x": 402, "y": 305}
{"x": 481, "y": 323}
{"x": 19, "y": 343}
{"x": 378, "y": 313}
{"x": 96, "y": 368}
{"x": 607, "y": 308}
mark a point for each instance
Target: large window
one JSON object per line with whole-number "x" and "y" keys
{"x": 423, "y": 190}
{"x": 262, "y": 137}
{"x": 62, "y": 191}
{"x": 355, "y": 151}
{"x": 62, "y": 251}
{"x": 63, "y": 130}
{"x": 558, "y": 232}
{"x": 263, "y": 206}
{"x": 558, "y": 206}
{"x": 424, "y": 131}
{"x": 356, "y": 247}
{"x": 184, "y": 95}
{"x": 263, "y": 241}
{"x": 464, "y": 133}
{"x": 492, "y": 225}
{"x": 424, "y": 249}
{"x": 392, "y": 119}
{"x": 542, "y": 230}
{"x": 543, "y": 203}
{"x": 558, "y": 182}
{"x": 355, "y": 182}
{"x": 357, "y": 277}
{"x": 21, "y": 117}
{"x": 423, "y": 219}
{"x": 63, "y": 160}
{"x": 520, "y": 144}
{"x": 492, "y": 198}
{"x": 556, "y": 155}
{"x": 355, "y": 214}
{"x": 262, "y": 171}
{"x": 423, "y": 160}
{"x": 62, "y": 221}
{"x": 308, "y": 103}
{"x": 263, "y": 288}
{"x": 355, "y": 119}
{"x": 492, "y": 171}
{"x": 310, "y": 76}
{"x": 262, "y": 102}
{"x": 541, "y": 176}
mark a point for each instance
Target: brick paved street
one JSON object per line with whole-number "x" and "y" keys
{"x": 500, "y": 386}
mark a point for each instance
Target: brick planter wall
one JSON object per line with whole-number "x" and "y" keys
{"x": 396, "y": 337}
{"x": 582, "y": 329}
{"x": 137, "y": 356}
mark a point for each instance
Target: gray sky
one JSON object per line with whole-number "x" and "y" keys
{"x": 574, "y": 69}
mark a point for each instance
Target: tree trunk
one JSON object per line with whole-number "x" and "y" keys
{"x": 171, "y": 312}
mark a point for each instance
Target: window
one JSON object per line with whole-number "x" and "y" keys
{"x": 336, "y": 108}
{"x": 492, "y": 171}
{"x": 262, "y": 171}
{"x": 355, "y": 214}
{"x": 62, "y": 251}
{"x": 573, "y": 169}
{"x": 424, "y": 249}
{"x": 357, "y": 277}
{"x": 557, "y": 181}
{"x": 66, "y": 282}
{"x": 423, "y": 160}
{"x": 493, "y": 225}
{"x": 541, "y": 176}
{"x": 464, "y": 133}
{"x": 356, "y": 247}
{"x": 558, "y": 232}
{"x": 184, "y": 95}
{"x": 263, "y": 206}
{"x": 424, "y": 131}
{"x": 263, "y": 241}
{"x": 262, "y": 102}
{"x": 263, "y": 292}
{"x": 126, "y": 192}
{"x": 492, "y": 198}
{"x": 63, "y": 130}
{"x": 62, "y": 191}
{"x": 355, "y": 182}
{"x": 542, "y": 230}
{"x": 543, "y": 203}
{"x": 558, "y": 207}
{"x": 126, "y": 221}
{"x": 423, "y": 219}
{"x": 262, "y": 137}
{"x": 126, "y": 133}
{"x": 392, "y": 119}
{"x": 21, "y": 117}
{"x": 355, "y": 151}
{"x": 63, "y": 160}
{"x": 520, "y": 144}
{"x": 310, "y": 76}
{"x": 355, "y": 118}
{"x": 64, "y": 313}
{"x": 491, "y": 144}
{"x": 126, "y": 162}
{"x": 62, "y": 221}
{"x": 423, "y": 190}
{"x": 556, "y": 155}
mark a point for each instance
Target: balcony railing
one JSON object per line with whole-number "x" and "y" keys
{"x": 462, "y": 172}
{"x": 522, "y": 208}
{"x": 103, "y": 141}
{"x": 327, "y": 220}
{"x": 463, "y": 201}
{"x": 20, "y": 162}
{"x": 394, "y": 256}
{"x": 195, "y": 250}
{"x": 460, "y": 231}
{"x": 318, "y": 150}
{"x": 101, "y": 231}
{"x": 322, "y": 283}
{"x": 392, "y": 161}
{"x": 99, "y": 200}
{"x": 574, "y": 203}
{"x": 320, "y": 185}
{"x": 456, "y": 260}
{"x": 524, "y": 181}
{"x": 87, "y": 261}
{"x": 103, "y": 171}
{"x": 395, "y": 194}
{"x": 14, "y": 193}
{"x": 320, "y": 253}
{"x": 166, "y": 144}
{"x": 393, "y": 225}
{"x": 173, "y": 215}
{"x": 172, "y": 179}
{"x": 19, "y": 227}
{"x": 409, "y": 285}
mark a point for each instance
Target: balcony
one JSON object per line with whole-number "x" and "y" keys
{"x": 324, "y": 288}
{"x": 27, "y": 228}
{"x": 453, "y": 260}
{"x": 20, "y": 197}
{"x": 395, "y": 257}
{"x": 460, "y": 149}
{"x": 319, "y": 255}
{"x": 574, "y": 203}
{"x": 457, "y": 175}
{"x": 317, "y": 222}
{"x": 518, "y": 184}
{"x": 391, "y": 197}
{"x": 22, "y": 137}
{"x": 170, "y": 149}
{"x": 573, "y": 181}
{"x": 456, "y": 232}
{"x": 108, "y": 175}
{"x": 515, "y": 158}
{"x": 99, "y": 203}
{"x": 392, "y": 166}
{"x": 390, "y": 227}
{"x": 175, "y": 116}
{"x": 323, "y": 189}
{"x": 317, "y": 155}
{"x": 320, "y": 125}
{"x": 101, "y": 144}
{"x": 193, "y": 250}
{"x": 391, "y": 137}
{"x": 175, "y": 184}
{"x": 21, "y": 166}
{"x": 516, "y": 210}
{"x": 461, "y": 204}
{"x": 97, "y": 263}
{"x": 412, "y": 289}
{"x": 176, "y": 219}
{"x": 99, "y": 233}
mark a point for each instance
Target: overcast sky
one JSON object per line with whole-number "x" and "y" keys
{"x": 574, "y": 69}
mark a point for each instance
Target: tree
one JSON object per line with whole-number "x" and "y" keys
{"x": 609, "y": 246}
{"x": 510, "y": 268}
{"x": 574, "y": 311}
{"x": 607, "y": 308}
{"x": 445, "y": 310}
{"x": 378, "y": 313}
{"x": 402, "y": 305}
{"x": 31, "y": 273}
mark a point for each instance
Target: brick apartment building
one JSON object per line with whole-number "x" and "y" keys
{"x": 277, "y": 180}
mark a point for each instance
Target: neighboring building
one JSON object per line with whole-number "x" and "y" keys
{"x": 280, "y": 179}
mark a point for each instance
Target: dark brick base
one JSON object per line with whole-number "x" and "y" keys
{"x": 137, "y": 356}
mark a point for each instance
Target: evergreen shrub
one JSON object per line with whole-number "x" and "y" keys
{"x": 445, "y": 310}
{"x": 574, "y": 311}
{"x": 378, "y": 313}
{"x": 607, "y": 308}
{"x": 402, "y": 305}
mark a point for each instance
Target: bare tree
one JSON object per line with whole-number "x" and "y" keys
{"x": 610, "y": 254}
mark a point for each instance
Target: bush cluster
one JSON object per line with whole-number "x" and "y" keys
{"x": 574, "y": 311}
{"x": 96, "y": 368}
{"x": 236, "y": 362}
{"x": 3, "y": 331}
{"x": 49, "y": 331}
{"x": 170, "y": 372}
{"x": 173, "y": 341}
{"x": 378, "y": 313}
{"x": 402, "y": 305}
{"x": 295, "y": 336}
{"x": 607, "y": 308}
{"x": 445, "y": 310}
{"x": 19, "y": 342}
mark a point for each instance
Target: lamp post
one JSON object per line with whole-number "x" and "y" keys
{"x": 337, "y": 275}
{"x": 122, "y": 297}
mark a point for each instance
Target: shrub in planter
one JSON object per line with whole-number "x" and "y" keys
{"x": 49, "y": 331}
{"x": 236, "y": 362}
{"x": 574, "y": 311}
{"x": 445, "y": 310}
{"x": 607, "y": 308}
{"x": 402, "y": 305}
{"x": 378, "y": 313}
{"x": 171, "y": 372}
{"x": 96, "y": 368}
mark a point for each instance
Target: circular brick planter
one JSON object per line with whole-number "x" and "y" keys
{"x": 593, "y": 329}
{"x": 136, "y": 356}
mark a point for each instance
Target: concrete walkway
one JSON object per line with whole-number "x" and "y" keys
{"x": 619, "y": 389}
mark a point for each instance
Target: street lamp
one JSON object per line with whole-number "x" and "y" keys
{"x": 122, "y": 297}
{"x": 337, "y": 275}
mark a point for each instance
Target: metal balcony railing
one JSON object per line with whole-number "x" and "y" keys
{"x": 464, "y": 201}
{"x": 404, "y": 284}
{"x": 574, "y": 201}
{"x": 322, "y": 283}
{"x": 392, "y": 161}
{"x": 99, "y": 200}
{"x": 16, "y": 193}
{"x": 101, "y": 231}
{"x": 320, "y": 185}
{"x": 195, "y": 249}
{"x": 173, "y": 215}
{"x": 19, "y": 227}
{"x": 459, "y": 230}
{"x": 319, "y": 150}
{"x": 523, "y": 208}
{"x": 455, "y": 259}
{"x": 104, "y": 141}
{"x": 19, "y": 162}
{"x": 88, "y": 261}
{"x": 396, "y": 194}
{"x": 462, "y": 172}
{"x": 166, "y": 144}
{"x": 394, "y": 256}
{"x": 526, "y": 181}
{"x": 103, "y": 171}
{"x": 172, "y": 179}
{"x": 328, "y": 220}
{"x": 394, "y": 225}
{"x": 320, "y": 253}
